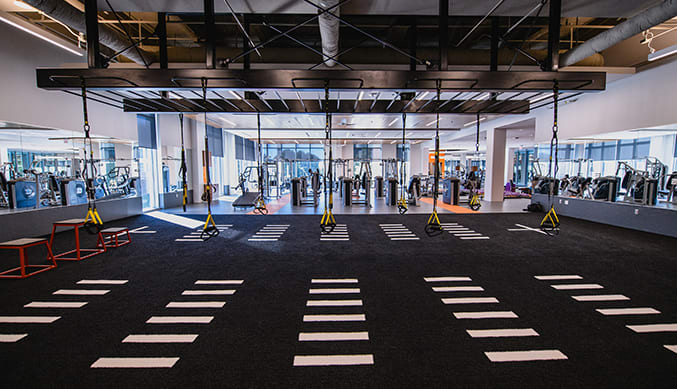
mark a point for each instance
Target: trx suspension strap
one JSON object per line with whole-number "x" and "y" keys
{"x": 327, "y": 223}
{"x": 434, "y": 227}
{"x": 474, "y": 202}
{"x": 260, "y": 204}
{"x": 550, "y": 223}
{"x": 209, "y": 230}
{"x": 183, "y": 169}
{"x": 93, "y": 223}
{"x": 402, "y": 206}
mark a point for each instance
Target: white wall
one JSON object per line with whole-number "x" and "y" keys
{"x": 21, "y": 101}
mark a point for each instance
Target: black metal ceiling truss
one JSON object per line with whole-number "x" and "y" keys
{"x": 175, "y": 90}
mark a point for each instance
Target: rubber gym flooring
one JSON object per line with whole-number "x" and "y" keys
{"x": 270, "y": 303}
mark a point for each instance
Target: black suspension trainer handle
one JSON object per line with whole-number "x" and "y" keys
{"x": 183, "y": 169}
{"x": 554, "y": 142}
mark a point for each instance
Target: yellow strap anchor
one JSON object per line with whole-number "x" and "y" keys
{"x": 550, "y": 223}
{"x": 474, "y": 202}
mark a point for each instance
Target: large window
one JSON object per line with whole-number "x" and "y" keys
{"x": 366, "y": 151}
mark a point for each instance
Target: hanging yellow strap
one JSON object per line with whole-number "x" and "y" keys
{"x": 93, "y": 216}
{"x": 434, "y": 220}
{"x": 402, "y": 206}
{"x": 550, "y": 222}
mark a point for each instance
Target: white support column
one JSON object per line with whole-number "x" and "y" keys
{"x": 493, "y": 184}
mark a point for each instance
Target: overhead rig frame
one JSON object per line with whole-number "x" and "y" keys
{"x": 148, "y": 90}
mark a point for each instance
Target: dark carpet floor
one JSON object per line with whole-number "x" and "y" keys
{"x": 414, "y": 338}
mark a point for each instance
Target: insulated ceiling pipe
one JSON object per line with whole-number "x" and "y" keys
{"x": 75, "y": 19}
{"x": 631, "y": 27}
{"x": 329, "y": 31}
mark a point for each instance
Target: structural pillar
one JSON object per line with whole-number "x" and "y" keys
{"x": 444, "y": 34}
{"x": 94, "y": 59}
{"x": 495, "y": 174}
{"x": 210, "y": 28}
{"x": 162, "y": 37}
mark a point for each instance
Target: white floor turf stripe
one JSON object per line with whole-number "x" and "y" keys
{"x": 334, "y": 239}
{"x": 559, "y": 277}
{"x": 11, "y": 338}
{"x": 601, "y": 297}
{"x": 180, "y": 319}
{"x": 56, "y": 304}
{"x": 315, "y": 318}
{"x": 470, "y": 300}
{"x": 502, "y": 333}
{"x": 404, "y": 238}
{"x": 524, "y": 356}
{"x": 334, "y": 303}
{"x": 446, "y": 279}
{"x": 469, "y": 234}
{"x": 474, "y": 237}
{"x": 628, "y": 311}
{"x": 332, "y": 336}
{"x": 29, "y": 319}
{"x": 486, "y": 315}
{"x": 643, "y": 328}
{"x": 333, "y": 360}
{"x": 101, "y": 282}
{"x": 334, "y": 291}
{"x": 334, "y": 281}
{"x": 208, "y": 292}
{"x": 134, "y": 363}
{"x": 458, "y": 289}
{"x": 164, "y": 338}
{"x": 577, "y": 286}
{"x": 672, "y": 348}
{"x": 196, "y": 304}
{"x": 81, "y": 292}
{"x": 219, "y": 282}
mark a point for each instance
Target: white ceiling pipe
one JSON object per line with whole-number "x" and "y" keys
{"x": 329, "y": 31}
{"x": 631, "y": 27}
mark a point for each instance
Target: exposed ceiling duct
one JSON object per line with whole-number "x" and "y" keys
{"x": 631, "y": 27}
{"x": 329, "y": 31}
{"x": 75, "y": 19}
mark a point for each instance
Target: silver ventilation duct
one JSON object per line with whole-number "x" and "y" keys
{"x": 329, "y": 31}
{"x": 75, "y": 19}
{"x": 631, "y": 27}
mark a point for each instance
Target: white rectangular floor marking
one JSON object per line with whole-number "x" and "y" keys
{"x": 486, "y": 315}
{"x": 446, "y": 279}
{"x": 628, "y": 311}
{"x": 523, "y": 356}
{"x": 643, "y": 328}
{"x": 458, "y": 289}
{"x": 134, "y": 363}
{"x": 101, "y": 282}
{"x": 208, "y": 292}
{"x": 333, "y": 360}
{"x": 471, "y": 300}
{"x": 29, "y": 319}
{"x": 474, "y": 237}
{"x": 405, "y": 238}
{"x": 335, "y": 239}
{"x": 196, "y": 304}
{"x": 81, "y": 292}
{"x": 11, "y": 338}
{"x": 469, "y": 234}
{"x": 334, "y": 291}
{"x": 332, "y": 336}
{"x": 502, "y": 333}
{"x": 601, "y": 297}
{"x": 334, "y": 281}
{"x": 56, "y": 304}
{"x": 163, "y": 338}
{"x": 314, "y": 318}
{"x": 577, "y": 286}
{"x": 559, "y": 277}
{"x": 219, "y": 282}
{"x": 334, "y": 303}
{"x": 180, "y": 319}
{"x": 672, "y": 348}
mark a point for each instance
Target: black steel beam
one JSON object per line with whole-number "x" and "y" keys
{"x": 313, "y": 106}
{"x": 494, "y": 44}
{"x": 162, "y": 36}
{"x": 316, "y": 80}
{"x": 210, "y": 29}
{"x": 552, "y": 61}
{"x": 94, "y": 59}
{"x": 413, "y": 41}
{"x": 443, "y": 34}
